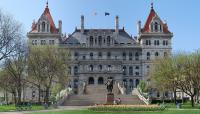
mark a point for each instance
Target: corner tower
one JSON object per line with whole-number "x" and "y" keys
{"x": 155, "y": 40}
{"x": 44, "y": 31}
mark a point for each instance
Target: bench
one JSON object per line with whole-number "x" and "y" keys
{"x": 23, "y": 106}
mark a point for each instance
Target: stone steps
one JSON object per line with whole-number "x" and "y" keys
{"x": 96, "y": 94}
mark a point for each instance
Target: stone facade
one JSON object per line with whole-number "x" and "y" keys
{"x": 97, "y": 54}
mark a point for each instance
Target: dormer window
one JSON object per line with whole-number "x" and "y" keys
{"x": 43, "y": 26}
{"x": 156, "y": 26}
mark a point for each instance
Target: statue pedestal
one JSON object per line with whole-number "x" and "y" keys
{"x": 110, "y": 98}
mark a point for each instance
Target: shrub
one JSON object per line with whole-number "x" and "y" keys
{"x": 127, "y": 108}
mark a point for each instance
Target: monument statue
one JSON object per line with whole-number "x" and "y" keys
{"x": 110, "y": 95}
{"x": 109, "y": 85}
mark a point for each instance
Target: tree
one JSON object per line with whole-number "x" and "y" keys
{"x": 10, "y": 35}
{"x": 14, "y": 73}
{"x": 179, "y": 72}
{"x": 47, "y": 66}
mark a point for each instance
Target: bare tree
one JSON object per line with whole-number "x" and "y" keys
{"x": 10, "y": 35}
{"x": 15, "y": 69}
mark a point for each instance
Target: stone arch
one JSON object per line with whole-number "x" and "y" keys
{"x": 100, "y": 80}
{"x": 90, "y": 80}
{"x": 137, "y": 81}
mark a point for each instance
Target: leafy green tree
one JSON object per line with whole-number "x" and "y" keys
{"x": 47, "y": 66}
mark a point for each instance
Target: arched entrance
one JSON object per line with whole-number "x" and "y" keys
{"x": 131, "y": 84}
{"x": 125, "y": 83}
{"x": 137, "y": 81}
{"x": 76, "y": 86}
{"x": 100, "y": 80}
{"x": 91, "y": 80}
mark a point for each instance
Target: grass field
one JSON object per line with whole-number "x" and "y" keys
{"x": 7, "y": 108}
{"x": 91, "y": 112}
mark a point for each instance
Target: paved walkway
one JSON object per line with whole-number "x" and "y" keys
{"x": 61, "y": 108}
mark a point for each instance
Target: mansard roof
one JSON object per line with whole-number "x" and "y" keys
{"x": 77, "y": 37}
{"x": 47, "y": 16}
{"x": 151, "y": 17}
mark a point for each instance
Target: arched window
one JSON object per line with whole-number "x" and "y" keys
{"x": 91, "y": 67}
{"x": 109, "y": 55}
{"x": 100, "y": 40}
{"x": 76, "y": 55}
{"x": 91, "y": 80}
{"x": 100, "y": 80}
{"x": 136, "y": 56}
{"x": 108, "y": 40}
{"x": 124, "y": 55}
{"x": 148, "y": 56}
{"x": 75, "y": 70}
{"x": 156, "y": 27}
{"x": 100, "y": 67}
{"x": 91, "y": 41}
{"x": 91, "y": 55}
{"x": 109, "y": 67}
{"x": 130, "y": 56}
{"x": 124, "y": 70}
{"x": 156, "y": 54}
{"x": 131, "y": 70}
{"x": 100, "y": 55}
{"x": 43, "y": 26}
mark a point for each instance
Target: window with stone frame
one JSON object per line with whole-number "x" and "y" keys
{"x": 130, "y": 70}
{"x": 136, "y": 56}
{"x": 130, "y": 56}
{"x": 148, "y": 56}
{"x": 124, "y": 55}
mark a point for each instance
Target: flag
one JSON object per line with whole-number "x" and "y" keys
{"x": 95, "y": 13}
{"x": 107, "y": 14}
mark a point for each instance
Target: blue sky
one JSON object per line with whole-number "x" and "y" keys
{"x": 182, "y": 16}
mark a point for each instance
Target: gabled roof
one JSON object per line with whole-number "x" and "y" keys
{"x": 150, "y": 18}
{"x": 47, "y": 15}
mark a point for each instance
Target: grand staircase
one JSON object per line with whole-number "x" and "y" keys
{"x": 97, "y": 95}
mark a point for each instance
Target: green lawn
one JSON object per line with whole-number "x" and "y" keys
{"x": 7, "y": 108}
{"x": 91, "y": 112}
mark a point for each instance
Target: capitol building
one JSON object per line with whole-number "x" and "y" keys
{"x": 99, "y": 54}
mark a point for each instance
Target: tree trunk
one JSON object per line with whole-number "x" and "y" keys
{"x": 192, "y": 101}
{"x": 47, "y": 95}
{"x": 39, "y": 93}
{"x": 175, "y": 97}
{"x": 15, "y": 98}
{"x": 19, "y": 93}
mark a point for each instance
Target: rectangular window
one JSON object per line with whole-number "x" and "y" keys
{"x": 43, "y": 42}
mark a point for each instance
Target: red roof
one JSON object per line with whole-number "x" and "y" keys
{"x": 149, "y": 20}
{"x": 48, "y": 16}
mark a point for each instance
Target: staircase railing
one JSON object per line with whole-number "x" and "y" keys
{"x": 121, "y": 89}
{"x": 141, "y": 97}
{"x": 63, "y": 95}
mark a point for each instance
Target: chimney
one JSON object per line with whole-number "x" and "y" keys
{"x": 60, "y": 26}
{"x": 139, "y": 27}
{"x": 117, "y": 25}
{"x": 82, "y": 24}
{"x": 33, "y": 25}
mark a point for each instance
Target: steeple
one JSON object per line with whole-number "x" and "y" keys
{"x": 152, "y": 17}
{"x": 47, "y": 4}
{"x": 152, "y": 5}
